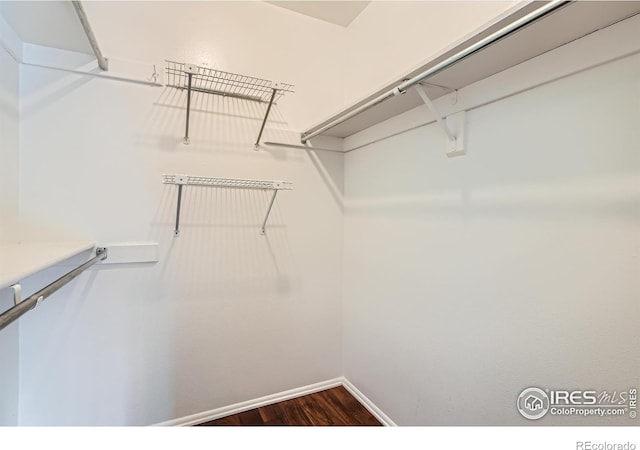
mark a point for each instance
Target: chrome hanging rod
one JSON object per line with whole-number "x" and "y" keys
{"x": 402, "y": 87}
{"x": 23, "y": 306}
{"x": 84, "y": 20}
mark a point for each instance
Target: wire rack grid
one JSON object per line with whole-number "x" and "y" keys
{"x": 218, "y": 82}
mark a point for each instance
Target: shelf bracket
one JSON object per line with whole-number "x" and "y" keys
{"x": 266, "y": 115}
{"x": 17, "y": 296}
{"x": 190, "y": 69}
{"x": 266, "y": 217}
{"x": 452, "y": 126}
{"x": 180, "y": 181}
{"x": 17, "y": 293}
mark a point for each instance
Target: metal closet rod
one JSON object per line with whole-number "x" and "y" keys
{"x": 401, "y": 88}
{"x": 22, "y": 307}
{"x": 84, "y": 20}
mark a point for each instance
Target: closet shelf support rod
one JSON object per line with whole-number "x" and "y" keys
{"x": 266, "y": 217}
{"x": 84, "y": 20}
{"x": 186, "y": 131}
{"x": 402, "y": 88}
{"x": 22, "y": 307}
{"x": 266, "y": 115}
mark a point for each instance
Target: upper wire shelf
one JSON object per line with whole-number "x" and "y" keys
{"x": 227, "y": 84}
{"x": 210, "y": 81}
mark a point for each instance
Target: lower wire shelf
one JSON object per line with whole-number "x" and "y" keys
{"x": 233, "y": 183}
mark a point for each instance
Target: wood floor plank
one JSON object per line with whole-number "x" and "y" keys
{"x": 335, "y": 406}
{"x": 318, "y": 413}
{"x": 293, "y": 413}
{"x": 250, "y": 418}
{"x": 225, "y": 421}
{"x": 272, "y": 415}
{"x": 347, "y": 406}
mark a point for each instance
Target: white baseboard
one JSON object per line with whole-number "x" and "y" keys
{"x": 218, "y": 413}
{"x": 373, "y": 409}
{"x": 236, "y": 408}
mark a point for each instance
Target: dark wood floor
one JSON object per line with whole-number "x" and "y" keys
{"x": 334, "y": 406}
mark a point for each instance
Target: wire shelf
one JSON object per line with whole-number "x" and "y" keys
{"x": 227, "y": 84}
{"x": 227, "y": 182}
{"x": 183, "y": 180}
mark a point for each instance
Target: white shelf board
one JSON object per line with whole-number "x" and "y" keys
{"x": 570, "y": 22}
{"x": 20, "y": 260}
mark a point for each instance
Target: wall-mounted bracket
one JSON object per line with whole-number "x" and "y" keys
{"x": 190, "y": 70}
{"x": 17, "y": 296}
{"x": 266, "y": 217}
{"x": 266, "y": 115}
{"x": 17, "y": 293}
{"x": 452, "y": 126}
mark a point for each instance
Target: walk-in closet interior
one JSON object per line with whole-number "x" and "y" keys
{"x": 210, "y": 207}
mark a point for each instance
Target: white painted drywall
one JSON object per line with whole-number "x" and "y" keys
{"x": 469, "y": 279}
{"x": 250, "y": 38}
{"x": 9, "y": 85}
{"x": 9, "y": 133}
{"x": 390, "y": 37}
{"x": 226, "y": 315}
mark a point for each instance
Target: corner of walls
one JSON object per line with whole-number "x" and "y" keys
{"x": 10, "y": 41}
{"x": 10, "y": 56}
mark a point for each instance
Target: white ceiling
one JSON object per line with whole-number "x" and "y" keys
{"x": 337, "y": 12}
{"x": 49, "y": 23}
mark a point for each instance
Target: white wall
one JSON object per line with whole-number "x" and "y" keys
{"x": 8, "y": 227}
{"x": 9, "y": 137}
{"x": 251, "y": 38}
{"x": 227, "y": 315}
{"x": 390, "y": 37}
{"x": 469, "y": 279}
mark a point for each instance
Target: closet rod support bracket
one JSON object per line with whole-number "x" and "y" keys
{"x": 452, "y": 126}
{"x": 17, "y": 293}
{"x": 102, "y": 251}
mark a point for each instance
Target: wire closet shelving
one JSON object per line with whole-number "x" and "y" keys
{"x": 234, "y": 183}
{"x": 195, "y": 78}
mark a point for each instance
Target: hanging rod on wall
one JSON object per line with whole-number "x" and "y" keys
{"x": 23, "y": 306}
{"x": 195, "y": 78}
{"x": 183, "y": 180}
{"x": 103, "y": 63}
{"x": 402, "y": 87}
